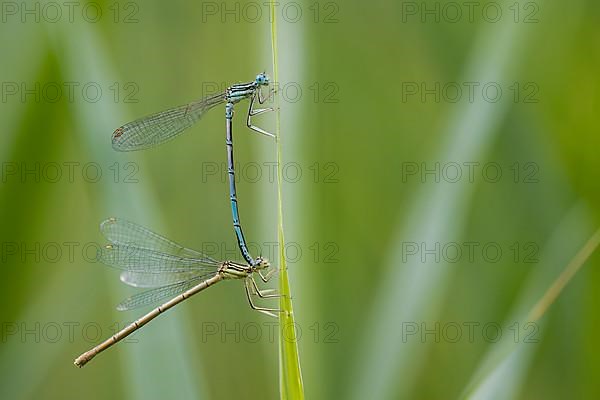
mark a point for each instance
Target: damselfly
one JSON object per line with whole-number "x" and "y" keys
{"x": 158, "y": 128}
{"x": 168, "y": 271}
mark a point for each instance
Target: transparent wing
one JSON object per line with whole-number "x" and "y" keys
{"x": 158, "y": 128}
{"x": 122, "y": 232}
{"x": 147, "y": 261}
{"x": 160, "y": 294}
{"x": 153, "y": 280}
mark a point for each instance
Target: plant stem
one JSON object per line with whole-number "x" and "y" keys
{"x": 290, "y": 375}
{"x": 565, "y": 277}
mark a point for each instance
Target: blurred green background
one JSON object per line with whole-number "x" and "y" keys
{"x": 369, "y": 103}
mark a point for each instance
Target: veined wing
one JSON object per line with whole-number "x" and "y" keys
{"x": 158, "y": 128}
{"x": 154, "y": 280}
{"x": 148, "y": 261}
{"x": 122, "y": 232}
{"x": 160, "y": 294}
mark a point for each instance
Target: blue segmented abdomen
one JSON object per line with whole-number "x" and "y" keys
{"x": 232, "y": 191}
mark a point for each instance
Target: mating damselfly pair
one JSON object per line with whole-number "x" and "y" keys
{"x": 170, "y": 271}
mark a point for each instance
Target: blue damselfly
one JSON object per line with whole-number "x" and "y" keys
{"x": 158, "y": 128}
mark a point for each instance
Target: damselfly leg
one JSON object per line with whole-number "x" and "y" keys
{"x": 264, "y": 293}
{"x": 262, "y": 99}
{"x": 249, "y": 293}
{"x": 253, "y": 112}
{"x": 266, "y": 277}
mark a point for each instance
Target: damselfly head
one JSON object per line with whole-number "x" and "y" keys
{"x": 262, "y": 263}
{"x": 262, "y": 79}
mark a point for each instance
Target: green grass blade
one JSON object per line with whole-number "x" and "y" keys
{"x": 437, "y": 214}
{"x": 290, "y": 376}
{"x": 503, "y": 369}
